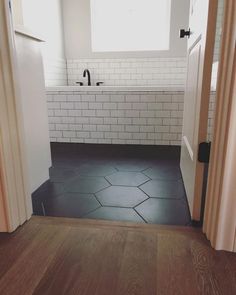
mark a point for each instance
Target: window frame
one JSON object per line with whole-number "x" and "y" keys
{"x": 96, "y": 30}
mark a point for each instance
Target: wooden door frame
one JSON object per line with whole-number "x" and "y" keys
{"x": 15, "y": 205}
{"x": 220, "y": 209}
{"x": 201, "y": 111}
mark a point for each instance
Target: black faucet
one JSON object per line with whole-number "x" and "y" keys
{"x": 88, "y": 73}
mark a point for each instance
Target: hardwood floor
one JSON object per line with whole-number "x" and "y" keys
{"x": 76, "y": 256}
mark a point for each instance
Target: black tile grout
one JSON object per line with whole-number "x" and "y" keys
{"x": 167, "y": 198}
{"x": 143, "y": 192}
{"x": 131, "y": 208}
{"x": 140, "y": 215}
{"x": 120, "y": 207}
{"x": 97, "y": 199}
{"x": 43, "y": 209}
{"x": 142, "y": 202}
{"x": 91, "y": 211}
{"x": 144, "y": 182}
{"x": 103, "y": 188}
{"x": 108, "y": 181}
{"x": 142, "y": 171}
{"x": 123, "y": 185}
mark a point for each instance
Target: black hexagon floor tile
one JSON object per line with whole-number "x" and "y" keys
{"x": 114, "y": 213}
{"x": 127, "y": 178}
{"x": 129, "y": 166}
{"x": 86, "y": 184}
{"x": 164, "y": 189}
{"x": 48, "y": 190}
{"x": 68, "y": 163}
{"x": 61, "y": 174}
{"x": 71, "y": 205}
{"x": 96, "y": 170}
{"x": 164, "y": 211}
{"x": 121, "y": 196}
{"x": 164, "y": 172}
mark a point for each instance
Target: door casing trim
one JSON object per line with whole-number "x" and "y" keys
{"x": 14, "y": 192}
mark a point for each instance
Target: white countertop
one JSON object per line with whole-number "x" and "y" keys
{"x": 115, "y": 88}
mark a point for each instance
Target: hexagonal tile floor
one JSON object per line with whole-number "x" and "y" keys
{"x": 127, "y": 178}
{"x": 129, "y": 166}
{"x": 71, "y": 205}
{"x": 162, "y": 211}
{"x": 114, "y": 213}
{"x": 120, "y": 196}
{"x": 96, "y": 170}
{"x": 164, "y": 189}
{"x": 61, "y": 175}
{"x": 86, "y": 185}
{"x": 46, "y": 191}
{"x": 114, "y": 182}
{"x": 164, "y": 172}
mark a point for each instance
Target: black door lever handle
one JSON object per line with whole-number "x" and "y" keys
{"x": 183, "y": 33}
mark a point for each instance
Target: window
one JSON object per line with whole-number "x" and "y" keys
{"x": 130, "y": 25}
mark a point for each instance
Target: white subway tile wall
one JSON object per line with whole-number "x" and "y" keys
{"x": 55, "y": 72}
{"x": 129, "y": 71}
{"x": 147, "y": 118}
{"x": 211, "y": 114}
{"x": 219, "y": 24}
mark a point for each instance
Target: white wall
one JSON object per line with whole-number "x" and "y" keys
{"x": 156, "y": 71}
{"x": 160, "y": 68}
{"x": 77, "y": 28}
{"x": 33, "y": 104}
{"x": 44, "y": 18}
{"x": 62, "y": 23}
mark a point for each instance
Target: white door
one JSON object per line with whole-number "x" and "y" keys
{"x": 202, "y": 25}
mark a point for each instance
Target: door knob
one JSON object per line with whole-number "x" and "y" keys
{"x": 183, "y": 33}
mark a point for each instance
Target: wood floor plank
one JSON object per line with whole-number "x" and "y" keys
{"x": 78, "y": 222}
{"x": 56, "y": 256}
{"x": 138, "y": 270}
{"x": 24, "y": 275}
{"x": 87, "y": 263}
{"x": 222, "y": 267}
{"x": 175, "y": 273}
{"x": 13, "y": 245}
{"x": 210, "y": 267}
{"x": 231, "y": 259}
